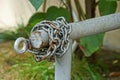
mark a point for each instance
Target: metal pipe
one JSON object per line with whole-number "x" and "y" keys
{"x": 83, "y": 28}
{"x": 63, "y": 65}
{"x": 94, "y": 26}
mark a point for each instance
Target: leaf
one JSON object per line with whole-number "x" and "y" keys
{"x": 107, "y": 6}
{"x": 36, "y": 3}
{"x": 35, "y": 18}
{"x": 91, "y": 43}
{"x": 51, "y": 14}
{"x": 54, "y": 12}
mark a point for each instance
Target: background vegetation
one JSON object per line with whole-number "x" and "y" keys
{"x": 87, "y": 63}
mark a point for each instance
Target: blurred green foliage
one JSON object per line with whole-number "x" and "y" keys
{"x": 29, "y": 69}
{"x": 93, "y": 43}
{"x": 51, "y": 14}
{"x": 107, "y": 6}
{"x": 9, "y": 35}
{"x": 81, "y": 69}
{"x": 36, "y": 3}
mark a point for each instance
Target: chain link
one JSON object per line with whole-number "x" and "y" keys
{"x": 58, "y": 32}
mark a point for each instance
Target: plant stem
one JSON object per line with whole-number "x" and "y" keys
{"x": 90, "y": 6}
{"x": 44, "y": 5}
{"x": 80, "y": 11}
{"x": 70, "y": 9}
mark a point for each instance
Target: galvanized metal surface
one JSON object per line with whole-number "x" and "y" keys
{"x": 95, "y": 25}
{"x": 63, "y": 65}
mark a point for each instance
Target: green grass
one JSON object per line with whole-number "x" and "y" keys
{"x": 29, "y": 69}
{"x": 24, "y": 67}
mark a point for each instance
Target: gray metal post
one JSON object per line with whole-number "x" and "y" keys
{"x": 95, "y": 25}
{"x": 63, "y": 65}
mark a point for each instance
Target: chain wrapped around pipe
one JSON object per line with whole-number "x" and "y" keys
{"x": 58, "y": 39}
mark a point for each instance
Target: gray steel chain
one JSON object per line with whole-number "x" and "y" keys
{"x": 58, "y": 32}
